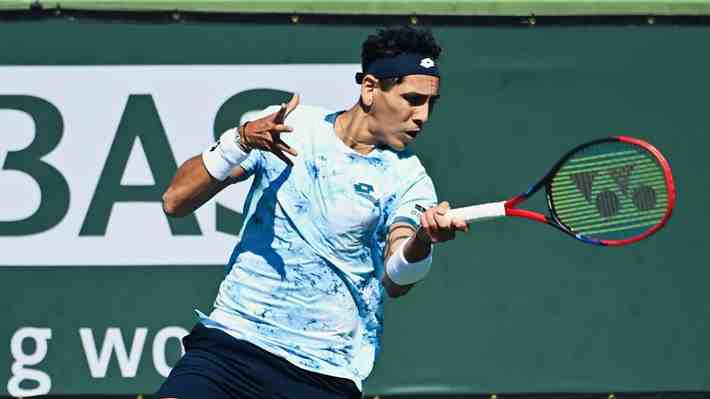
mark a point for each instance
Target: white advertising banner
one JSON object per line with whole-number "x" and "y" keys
{"x": 92, "y": 104}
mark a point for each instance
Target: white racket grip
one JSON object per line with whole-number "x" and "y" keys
{"x": 480, "y": 212}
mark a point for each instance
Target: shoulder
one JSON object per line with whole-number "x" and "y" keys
{"x": 309, "y": 124}
{"x": 407, "y": 173}
{"x": 405, "y": 165}
{"x": 308, "y": 114}
{"x": 301, "y": 114}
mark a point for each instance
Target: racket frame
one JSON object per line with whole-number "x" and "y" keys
{"x": 553, "y": 219}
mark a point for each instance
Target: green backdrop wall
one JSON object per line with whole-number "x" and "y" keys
{"x": 510, "y": 307}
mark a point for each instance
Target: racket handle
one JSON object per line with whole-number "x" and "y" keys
{"x": 480, "y": 212}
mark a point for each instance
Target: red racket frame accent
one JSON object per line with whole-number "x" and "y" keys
{"x": 511, "y": 210}
{"x": 669, "y": 183}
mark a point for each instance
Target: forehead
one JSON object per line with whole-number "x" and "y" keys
{"x": 421, "y": 84}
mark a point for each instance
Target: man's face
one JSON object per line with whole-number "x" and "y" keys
{"x": 399, "y": 114}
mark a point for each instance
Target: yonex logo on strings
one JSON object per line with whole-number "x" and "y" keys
{"x": 607, "y": 201}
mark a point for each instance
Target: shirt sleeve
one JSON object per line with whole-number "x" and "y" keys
{"x": 416, "y": 198}
{"x": 252, "y": 163}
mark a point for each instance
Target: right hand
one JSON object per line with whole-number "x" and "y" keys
{"x": 437, "y": 227}
{"x": 265, "y": 133}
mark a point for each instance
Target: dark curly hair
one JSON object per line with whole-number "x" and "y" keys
{"x": 391, "y": 42}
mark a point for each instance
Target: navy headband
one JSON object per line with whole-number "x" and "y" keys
{"x": 400, "y": 65}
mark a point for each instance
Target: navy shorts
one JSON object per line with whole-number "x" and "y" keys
{"x": 219, "y": 366}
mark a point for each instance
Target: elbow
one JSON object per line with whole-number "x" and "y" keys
{"x": 171, "y": 205}
{"x": 394, "y": 290}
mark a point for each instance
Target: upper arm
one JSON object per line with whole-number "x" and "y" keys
{"x": 403, "y": 219}
{"x": 192, "y": 184}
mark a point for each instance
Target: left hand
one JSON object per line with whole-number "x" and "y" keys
{"x": 265, "y": 133}
{"x": 437, "y": 227}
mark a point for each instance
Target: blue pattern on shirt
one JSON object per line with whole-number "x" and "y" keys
{"x": 304, "y": 280}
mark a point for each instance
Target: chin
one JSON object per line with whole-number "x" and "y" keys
{"x": 397, "y": 146}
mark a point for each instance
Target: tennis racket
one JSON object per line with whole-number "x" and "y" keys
{"x": 611, "y": 191}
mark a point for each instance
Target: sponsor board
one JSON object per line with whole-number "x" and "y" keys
{"x": 29, "y": 347}
{"x": 87, "y": 151}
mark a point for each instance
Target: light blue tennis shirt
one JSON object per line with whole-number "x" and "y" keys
{"x": 304, "y": 280}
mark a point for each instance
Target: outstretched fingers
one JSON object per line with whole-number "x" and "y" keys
{"x": 287, "y": 148}
{"x": 286, "y": 109}
{"x": 280, "y": 128}
{"x": 265, "y": 133}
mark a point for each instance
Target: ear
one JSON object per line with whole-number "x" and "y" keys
{"x": 367, "y": 90}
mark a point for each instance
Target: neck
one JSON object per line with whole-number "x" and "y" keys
{"x": 352, "y": 128}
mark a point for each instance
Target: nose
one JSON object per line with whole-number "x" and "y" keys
{"x": 421, "y": 114}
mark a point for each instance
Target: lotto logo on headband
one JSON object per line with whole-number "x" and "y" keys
{"x": 427, "y": 63}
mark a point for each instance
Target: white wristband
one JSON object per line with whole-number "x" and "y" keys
{"x": 225, "y": 155}
{"x": 402, "y": 272}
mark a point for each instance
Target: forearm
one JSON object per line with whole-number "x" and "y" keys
{"x": 191, "y": 187}
{"x": 416, "y": 248}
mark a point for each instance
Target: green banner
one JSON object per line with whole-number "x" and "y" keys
{"x": 406, "y": 7}
{"x": 98, "y": 291}
{"x": 15, "y": 4}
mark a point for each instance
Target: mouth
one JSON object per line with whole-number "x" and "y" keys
{"x": 412, "y": 133}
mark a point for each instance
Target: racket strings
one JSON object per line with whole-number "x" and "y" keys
{"x": 609, "y": 191}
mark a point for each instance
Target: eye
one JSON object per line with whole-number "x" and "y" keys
{"x": 414, "y": 99}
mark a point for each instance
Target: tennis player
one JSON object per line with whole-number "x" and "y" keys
{"x": 339, "y": 212}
